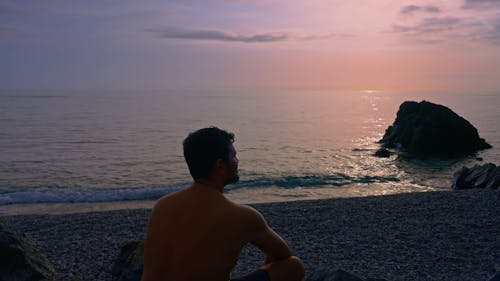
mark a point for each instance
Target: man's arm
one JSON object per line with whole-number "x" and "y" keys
{"x": 264, "y": 238}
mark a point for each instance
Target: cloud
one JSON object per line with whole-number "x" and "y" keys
{"x": 492, "y": 34}
{"x": 326, "y": 37}
{"x": 481, "y": 4}
{"x": 216, "y": 35}
{"x": 481, "y": 1}
{"x": 429, "y": 41}
{"x": 430, "y": 25}
{"x": 433, "y": 31}
{"x": 409, "y": 9}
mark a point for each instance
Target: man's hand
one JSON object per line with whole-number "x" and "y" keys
{"x": 269, "y": 259}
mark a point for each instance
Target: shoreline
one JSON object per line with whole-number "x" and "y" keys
{"x": 246, "y": 196}
{"x": 412, "y": 236}
{"x": 72, "y": 208}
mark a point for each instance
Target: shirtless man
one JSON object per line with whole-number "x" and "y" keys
{"x": 196, "y": 234}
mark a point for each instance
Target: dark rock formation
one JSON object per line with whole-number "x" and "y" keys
{"x": 431, "y": 129}
{"x": 130, "y": 262}
{"x": 339, "y": 275}
{"x": 20, "y": 261}
{"x": 382, "y": 153}
{"x": 479, "y": 176}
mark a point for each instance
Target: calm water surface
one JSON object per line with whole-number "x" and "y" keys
{"x": 113, "y": 146}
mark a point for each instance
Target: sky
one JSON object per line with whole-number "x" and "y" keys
{"x": 244, "y": 45}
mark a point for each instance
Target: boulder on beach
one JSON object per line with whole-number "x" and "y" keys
{"x": 20, "y": 261}
{"x": 431, "y": 129}
{"x": 130, "y": 262}
{"x": 479, "y": 176}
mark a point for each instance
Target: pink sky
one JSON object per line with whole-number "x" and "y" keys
{"x": 244, "y": 45}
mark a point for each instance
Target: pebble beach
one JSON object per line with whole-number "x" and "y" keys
{"x": 445, "y": 235}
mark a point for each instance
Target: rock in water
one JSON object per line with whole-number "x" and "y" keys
{"x": 130, "y": 262}
{"x": 479, "y": 176}
{"x": 20, "y": 261}
{"x": 432, "y": 129}
{"x": 382, "y": 153}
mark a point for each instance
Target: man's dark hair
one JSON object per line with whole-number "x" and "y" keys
{"x": 203, "y": 147}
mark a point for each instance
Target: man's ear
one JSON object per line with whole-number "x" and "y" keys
{"x": 219, "y": 164}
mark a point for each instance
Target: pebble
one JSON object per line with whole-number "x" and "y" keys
{"x": 445, "y": 235}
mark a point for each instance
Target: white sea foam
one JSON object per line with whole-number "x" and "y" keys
{"x": 71, "y": 195}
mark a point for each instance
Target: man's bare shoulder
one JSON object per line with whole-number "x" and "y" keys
{"x": 179, "y": 195}
{"x": 166, "y": 202}
{"x": 246, "y": 210}
{"x": 166, "y": 198}
{"x": 250, "y": 216}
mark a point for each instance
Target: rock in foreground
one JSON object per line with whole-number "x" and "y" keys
{"x": 479, "y": 176}
{"x": 426, "y": 128}
{"x": 20, "y": 261}
{"x": 130, "y": 262}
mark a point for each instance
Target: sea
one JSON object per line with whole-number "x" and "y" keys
{"x": 71, "y": 147}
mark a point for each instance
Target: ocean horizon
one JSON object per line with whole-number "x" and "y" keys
{"x": 92, "y": 146}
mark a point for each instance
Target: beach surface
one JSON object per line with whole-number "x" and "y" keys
{"x": 446, "y": 235}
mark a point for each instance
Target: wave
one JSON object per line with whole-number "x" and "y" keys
{"x": 74, "y": 195}
{"x": 337, "y": 179}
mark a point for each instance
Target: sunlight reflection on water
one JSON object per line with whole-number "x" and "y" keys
{"x": 101, "y": 141}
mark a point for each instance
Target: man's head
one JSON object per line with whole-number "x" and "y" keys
{"x": 209, "y": 152}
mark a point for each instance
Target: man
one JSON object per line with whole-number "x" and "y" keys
{"x": 196, "y": 234}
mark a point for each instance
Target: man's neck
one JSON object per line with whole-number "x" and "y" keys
{"x": 210, "y": 184}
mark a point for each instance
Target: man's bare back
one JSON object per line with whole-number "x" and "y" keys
{"x": 197, "y": 233}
